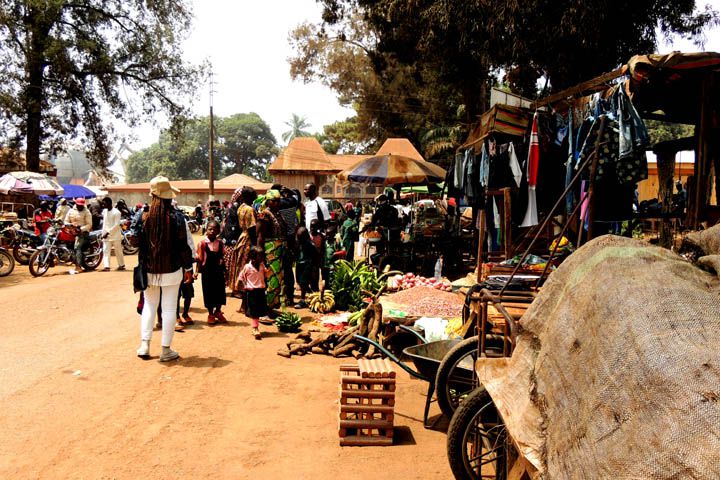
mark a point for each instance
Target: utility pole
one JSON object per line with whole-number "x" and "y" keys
{"x": 211, "y": 179}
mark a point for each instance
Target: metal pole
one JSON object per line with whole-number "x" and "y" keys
{"x": 211, "y": 179}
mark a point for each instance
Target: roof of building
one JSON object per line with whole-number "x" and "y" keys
{"x": 399, "y": 146}
{"x": 305, "y": 154}
{"x": 227, "y": 184}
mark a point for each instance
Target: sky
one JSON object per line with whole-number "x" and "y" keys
{"x": 247, "y": 44}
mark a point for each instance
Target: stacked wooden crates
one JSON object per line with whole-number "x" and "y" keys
{"x": 367, "y": 403}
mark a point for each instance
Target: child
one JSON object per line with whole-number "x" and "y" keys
{"x": 252, "y": 276}
{"x": 304, "y": 265}
{"x": 348, "y": 235}
{"x": 210, "y": 264}
{"x": 328, "y": 254}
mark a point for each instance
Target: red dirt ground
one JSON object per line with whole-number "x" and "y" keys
{"x": 77, "y": 403}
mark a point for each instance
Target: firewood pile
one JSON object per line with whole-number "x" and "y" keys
{"x": 341, "y": 344}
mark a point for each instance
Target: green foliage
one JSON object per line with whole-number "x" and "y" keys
{"x": 296, "y": 124}
{"x": 288, "y": 322}
{"x": 423, "y": 70}
{"x": 353, "y": 282}
{"x": 66, "y": 65}
{"x": 245, "y": 144}
{"x": 344, "y": 136}
{"x": 664, "y": 131}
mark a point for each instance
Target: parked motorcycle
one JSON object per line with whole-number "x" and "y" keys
{"x": 127, "y": 245}
{"x": 59, "y": 247}
{"x": 7, "y": 263}
{"x": 21, "y": 242}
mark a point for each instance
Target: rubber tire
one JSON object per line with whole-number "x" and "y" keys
{"x": 19, "y": 257}
{"x": 92, "y": 265}
{"x": 447, "y": 364}
{"x": 459, "y": 424}
{"x": 129, "y": 249}
{"x": 31, "y": 264}
{"x": 7, "y": 259}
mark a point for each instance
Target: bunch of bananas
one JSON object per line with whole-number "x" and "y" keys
{"x": 321, "y": 302}
{"x": 288, "y": 322}
{"x": 354, "y": 318}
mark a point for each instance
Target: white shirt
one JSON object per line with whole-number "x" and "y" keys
{"x": 311, "y": 209}
{"x": 111, "y": 224}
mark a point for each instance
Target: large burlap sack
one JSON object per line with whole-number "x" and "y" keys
{"x": 616, "y": 373}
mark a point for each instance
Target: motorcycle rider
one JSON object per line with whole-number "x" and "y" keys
{"x": 112, "y": 235}
{"x": 62, "y": 209}
{"x": 80, "y": 217}
{"x": 42, "y": 218}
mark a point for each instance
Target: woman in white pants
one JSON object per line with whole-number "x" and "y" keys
{"x": 167, "y": 258}
{"x": 112, "y": 235}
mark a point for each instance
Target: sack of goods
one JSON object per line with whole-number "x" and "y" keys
{"x": 616, "y": 372}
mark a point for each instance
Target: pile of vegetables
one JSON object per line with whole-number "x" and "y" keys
{"x": 354, "y": 282}
{"x": 410, "y": 280}
{"x": 288, "y": 322}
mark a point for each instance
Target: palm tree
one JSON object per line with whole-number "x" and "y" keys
{"x": 296, "y": 124}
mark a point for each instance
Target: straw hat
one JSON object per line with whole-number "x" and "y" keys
{"x": 161, "y": 188}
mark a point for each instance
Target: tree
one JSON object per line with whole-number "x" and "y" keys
{"x": 421, "y": 62}
{"x": 664, "y": 131}
{"x": 345, "y": 137}
{"x": 68, "y": 66}
{"x": 245, "y": 145}
{"x": 296, "y": 124}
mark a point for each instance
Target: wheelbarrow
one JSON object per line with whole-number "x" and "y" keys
{"x": 426, "y": 357}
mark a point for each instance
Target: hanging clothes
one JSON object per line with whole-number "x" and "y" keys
{"x": 471, "y": 174}
{"x": 531, "y": 214}
{"x": 458, "y": 171}
{"x": 484, "y": 166}
{"x": 569, "y": 200}
{"x": 514, "y": 165}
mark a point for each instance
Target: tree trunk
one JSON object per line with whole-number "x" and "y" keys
{"x": 666, "y": 167}
{"x": 38, "y": 31}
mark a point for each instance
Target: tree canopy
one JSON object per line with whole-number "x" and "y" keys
{"x": 67, "y": 67}
{"x": 415, "y": 68}
{"x": 245, "y": 145}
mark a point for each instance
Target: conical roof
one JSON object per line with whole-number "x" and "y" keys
{"x": 302, "y": 154}
{"x": 399, "y": 146}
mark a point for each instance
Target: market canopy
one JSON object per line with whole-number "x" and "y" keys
{"x": 10, "y": 184}
{"x": 41, "y": 184}
{"x": 393, "y": 170}
{"x": 70, "y": 192}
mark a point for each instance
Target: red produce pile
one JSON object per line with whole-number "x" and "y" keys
{"x": 410, "y": 280}
{"x": 428, "y": 302}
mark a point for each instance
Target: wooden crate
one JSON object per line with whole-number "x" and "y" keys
{"x": 367, "y": 403}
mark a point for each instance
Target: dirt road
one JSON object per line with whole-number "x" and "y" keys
{"x": 77, "y": 403}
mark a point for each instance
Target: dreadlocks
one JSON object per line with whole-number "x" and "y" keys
{"x": 158, "y": 226}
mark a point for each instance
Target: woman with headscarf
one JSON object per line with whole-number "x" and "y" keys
{"x": 236, "y": 256}
{"x": 166, "y": 257}
{"x": 270, "y": 237}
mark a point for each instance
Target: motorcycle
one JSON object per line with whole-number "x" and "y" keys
{"x": 21, "y": 242}
{"x": 7, "y": 263}
{"x": 59, "y": 247}
{"x": 127, "y": 245}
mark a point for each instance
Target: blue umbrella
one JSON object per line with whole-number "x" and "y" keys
{"x": 71, "y": 191}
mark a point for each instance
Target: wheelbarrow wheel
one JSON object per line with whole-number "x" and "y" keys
{"x": 476, "y": 441}
{"x": 455, "y": 377}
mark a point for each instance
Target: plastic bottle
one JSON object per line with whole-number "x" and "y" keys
{"x": 438, "y": 268}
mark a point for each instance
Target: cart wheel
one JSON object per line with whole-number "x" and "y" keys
{"x": 455, "y": 377}
{"x": 476, "y": 441}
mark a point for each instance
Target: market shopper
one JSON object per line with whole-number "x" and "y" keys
{"x": 210, "y": 263}
{"x": 288, "y": 213}
{"x": 42, "y": 217}
{"x": 111, "y": 234}
{"x": 348, "y": 234}
{"x": 271, "y": 238}
{"x": 62, "y": 209}
{"x": 236, "y": 256}
{"x": 315, "y": 207}
{"x": 187, "y": 290}
{"x": 252, "y": 277}
{"x": 167, "y": 259}
{"x": 307, "y": 253}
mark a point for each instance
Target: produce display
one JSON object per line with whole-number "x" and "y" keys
{"x": 428, "y": 301}
{"x": 355, "y": 281}
{"x": 288, "y": 322}
{"x": 321, "y": 302}
{"x": 373, "y": 234}
{"x": 410, "y": 280}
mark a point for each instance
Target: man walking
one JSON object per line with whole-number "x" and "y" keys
{"x": 111, "y": 234}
